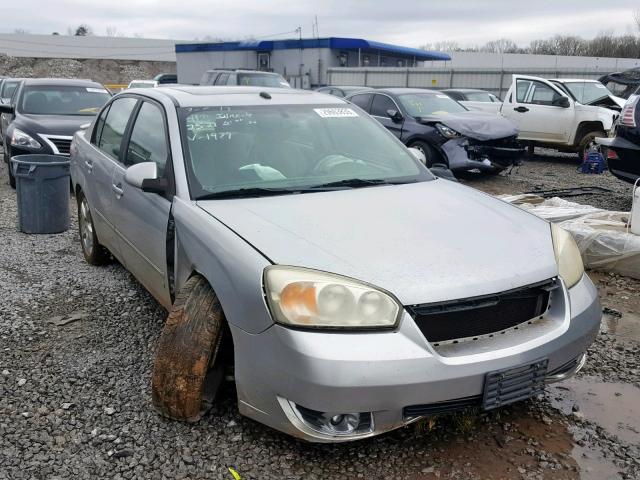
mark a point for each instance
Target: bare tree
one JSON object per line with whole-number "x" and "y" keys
{"x": 636, "y": 19}
{"x": 112, "y": 31}
{"x": 442, "y": 46}
{"x": 20, "y": 31}
{"x": 502, "y": 45}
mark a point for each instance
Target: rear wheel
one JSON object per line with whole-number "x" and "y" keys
{"x": 94, "y": 253}
{"x": 186, "y": 373}
{"x": 429, "y": 152}
{"x": 588, "y": 142}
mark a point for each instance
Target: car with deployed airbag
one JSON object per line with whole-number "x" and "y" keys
{"x": 445, "y": 131}
{"x": 304, "y": 252}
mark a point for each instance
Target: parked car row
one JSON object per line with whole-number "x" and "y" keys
{"x": 296, "y": 240}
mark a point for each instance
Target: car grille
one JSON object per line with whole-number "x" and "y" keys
{"x": 439, "y": 408}
{"x": 484, "y": 315}
{"x": 59, "y": 144}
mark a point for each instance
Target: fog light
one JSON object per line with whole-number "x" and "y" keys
{"x": 340, "y": 424}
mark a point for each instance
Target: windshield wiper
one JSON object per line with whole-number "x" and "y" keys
{"x": 357, "y": 183}
{"x": 247, "y": 192}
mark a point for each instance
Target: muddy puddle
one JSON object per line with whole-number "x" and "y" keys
{"x": 613, "y": 406}
{"x": 624, "y": 326}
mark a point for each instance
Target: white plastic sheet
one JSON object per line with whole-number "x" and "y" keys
{"x": 603, "y": 236}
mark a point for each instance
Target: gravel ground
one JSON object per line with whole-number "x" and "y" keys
{"x": 77, "y": 347}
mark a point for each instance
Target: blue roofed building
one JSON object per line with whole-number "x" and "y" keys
{"x": 304, "y": 62}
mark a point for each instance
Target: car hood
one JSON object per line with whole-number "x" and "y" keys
{"x": 477, "y": 125}
{"x": 52, "y": 124}
{"x": 425, "y": 242}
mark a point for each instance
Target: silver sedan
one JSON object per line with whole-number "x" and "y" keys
{"x": 304, "y": 252}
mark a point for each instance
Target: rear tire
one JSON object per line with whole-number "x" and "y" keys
{"x": 587, "y": 141}
{"x": 94, "y": 253}
{"x": 186, "y": 375}
{"x": 430, "y": 153}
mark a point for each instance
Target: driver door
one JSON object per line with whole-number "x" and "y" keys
{"x": 531, "y": 107}
{"x": 141, "y": 218}
{"x": 379, "y": 106}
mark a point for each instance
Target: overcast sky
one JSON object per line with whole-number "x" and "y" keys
{"x": 406, "y": 22}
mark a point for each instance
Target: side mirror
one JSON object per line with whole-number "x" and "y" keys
{"x": 145, "y": 177}
{"x": 419, "y": 155}
{"x": 562, "y": 102}
{"x": 6, "y": 108}
{"x": 395, "y": 115}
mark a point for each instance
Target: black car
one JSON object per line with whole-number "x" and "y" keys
{"x": 166, "y": 78}
{"x": 248, "y": 78}
{"x": 445, "y": 131}
{"x": 623, "y": 150}
{"x": 45, "y": 113}
{"x": 622, "y": 84}
{"x": 471, "y": 95}
{"x": 341, "y": 90}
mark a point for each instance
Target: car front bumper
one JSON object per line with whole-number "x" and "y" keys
{"x": 386, "y": 372}
{"x": 462, "y": 154}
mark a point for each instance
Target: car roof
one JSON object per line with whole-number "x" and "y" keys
{"x": 464, "y": 90}
{"x": 401, "y": 90}
{"x": 210, "y": 96}
{"x": 572, "y": 80}
{"x": 242, "y": 70}
{"x": 62, "y": 81}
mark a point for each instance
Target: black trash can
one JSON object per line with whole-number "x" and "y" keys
{"x": 42, "y": 187}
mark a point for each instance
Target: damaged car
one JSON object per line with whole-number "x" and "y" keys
{"x": 445, "y": 131}
{"x": 305, "y": 254}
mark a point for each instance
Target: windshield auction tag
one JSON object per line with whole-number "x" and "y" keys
{"x": 335, "y": 112}
{"x": 96, "y": 90}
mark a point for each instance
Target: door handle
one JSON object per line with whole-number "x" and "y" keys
{"x": 521, "y": 109}
{"x": 117, "y": 189}
{"x": 89, "y": 165}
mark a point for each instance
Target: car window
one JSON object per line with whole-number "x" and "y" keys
{"x": 233, "y": 79}
{"x": 535, "y": 92}
{"x": 289, "y": 146}
{"x": 208, "y": 77}
{"x": 362, "y": 100}
{"x": 479, "y": 96}
{"x": 222, "y": 79}
{"x": 148, "y": 142}
{"x": 115, "y": 125}
{"x": 8, "y": 88}
{"x": 262, "y": 80}
{"x": 587, "y": 92}
{"x": 423, "y": 104}
{"x": 380, "y": 105}
{"x": 97, "y": 130}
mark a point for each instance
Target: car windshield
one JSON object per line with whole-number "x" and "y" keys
{"x": 587, "y": 92}
{"x": 423, "y": 104}
{"x": 261, "y": 80}
{"x": 62, "y": 100}
{"x": 479, "y": 96}
{"x": 290, "y": 148}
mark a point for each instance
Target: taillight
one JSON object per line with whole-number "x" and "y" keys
{"x": 628, "y": 114}
{"x": 611, "y": 154}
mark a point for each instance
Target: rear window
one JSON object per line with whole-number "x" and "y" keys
{"x": 62, "y": 100}
{"x": 262, "y": 80}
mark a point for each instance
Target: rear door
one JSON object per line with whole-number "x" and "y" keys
{"x": 531, "y": 106}
{"x": 141, "y": 218}
{"x": 98, "y": 164}
{"x": 380, "y": 104}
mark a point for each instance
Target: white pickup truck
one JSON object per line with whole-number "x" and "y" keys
{"x": 559, "y": 113}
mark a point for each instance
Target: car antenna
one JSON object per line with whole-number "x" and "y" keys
{"x": 265, "y": 95}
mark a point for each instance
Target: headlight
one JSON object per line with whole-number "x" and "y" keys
{"x": 446, "y": 131}
{"x": 568, "y": 256}
{"x": 309, "y": 298}
{"x": 21, "y": 139}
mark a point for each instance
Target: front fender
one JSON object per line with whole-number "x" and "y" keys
{"x": 232, "y": 266}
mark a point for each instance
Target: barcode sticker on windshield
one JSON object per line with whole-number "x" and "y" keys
{"x": 96, "y": 90}
{"x": 335, "y": 112}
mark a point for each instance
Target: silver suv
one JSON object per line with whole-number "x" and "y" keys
{"x": 245, "y": 78}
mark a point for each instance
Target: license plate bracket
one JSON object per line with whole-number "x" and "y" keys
{"x": 510, "y": 385}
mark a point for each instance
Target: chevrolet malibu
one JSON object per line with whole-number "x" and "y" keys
{"x": 304, "y": 252}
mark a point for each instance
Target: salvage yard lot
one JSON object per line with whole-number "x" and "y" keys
{"x": 77, "y": 345}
